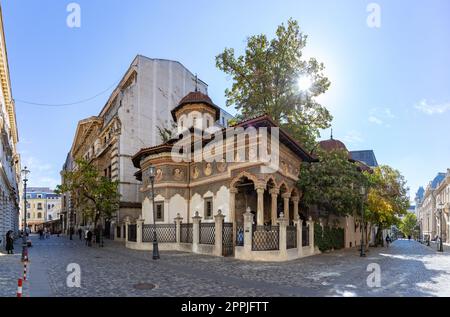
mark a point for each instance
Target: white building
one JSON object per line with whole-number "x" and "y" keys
{"x": 9, "y": 159}
{"x": 129, "y": 121}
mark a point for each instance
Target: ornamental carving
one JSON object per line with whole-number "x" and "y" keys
{"x": 221, "y": 166}
{"x": 159, "y": 174}
{"x": 195, "y": 172}
{"x": 178, "y": 174}
{"x": 208, "y": 169}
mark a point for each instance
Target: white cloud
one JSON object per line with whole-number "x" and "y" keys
{"x": 41, "y": 173}
{"x": 353, "y": 137}
{"x": 432, "y": 108}
{"x": 380, "y": 116}
{"x": 375, "y": 120}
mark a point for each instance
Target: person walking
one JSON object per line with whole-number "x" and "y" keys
{"x": 89, "y": 238}
{"x": 9, "y": 242}
{"x": 80, "y": 233}
{"x": 388, "y": 240}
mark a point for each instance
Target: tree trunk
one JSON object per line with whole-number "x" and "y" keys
{"x": 379, "y": 236}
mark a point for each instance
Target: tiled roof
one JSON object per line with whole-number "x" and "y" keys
{"x": 332, "y": 144}
{"x": 196, "y": 97}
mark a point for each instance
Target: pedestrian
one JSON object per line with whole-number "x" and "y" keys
{"x": 86, "y": 236}
{"x": 388, "y": 240}
{"x": 9, "y": 242}
{"x": 89, "y": 238}
{"x": 80, "y": 233}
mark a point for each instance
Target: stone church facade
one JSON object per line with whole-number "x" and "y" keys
{"x": 202, "y": 187}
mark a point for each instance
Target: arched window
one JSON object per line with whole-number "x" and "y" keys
{"x": 39, "y": 215}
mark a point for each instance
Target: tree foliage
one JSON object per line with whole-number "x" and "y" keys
{"x": 265, "y": 81}
{"x": 387, "y": 198}
{"x": 409, "y": 224}
{"x": 332, "y": 183}
{"x": 96, "y": 196}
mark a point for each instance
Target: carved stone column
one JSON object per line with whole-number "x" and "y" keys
{"x": 286, "y": 197}
{"x": 260, "y": 208}
{"x": 296, "y": 200}
{"x": 274, "y": 194}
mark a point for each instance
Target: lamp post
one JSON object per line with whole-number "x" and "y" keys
{"x": 363, "y": 193}
{"x": 25, "y": 173}
{"x": 440, "y": 244}
{"x": 152, "y": 173}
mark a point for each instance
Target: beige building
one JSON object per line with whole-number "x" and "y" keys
{"x": 429, "y": 205}
{"x": 142, "y": 101}
{"x": 433, "y": 209}
{"x": 10, "y": 186}
{"x": 43, "y": 205}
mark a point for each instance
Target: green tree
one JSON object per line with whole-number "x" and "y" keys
{"x": 331, "y": 184}
{"x": 386, "y": 200}
{"x": 266, "y": 81}
{"x": 409, "y": 224}
{"x": 96, "y": 196}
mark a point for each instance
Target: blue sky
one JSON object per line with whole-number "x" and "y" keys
{"x": 390, "y": 85}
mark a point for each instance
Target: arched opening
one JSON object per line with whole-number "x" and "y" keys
{"x": 246, "y": 197}
{"x": 280, "y": 200}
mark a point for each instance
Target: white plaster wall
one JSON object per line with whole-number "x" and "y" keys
{"x": 147, "y": 211}
{"x": 177, "y": 204}
{"x": 222, "y": 201}
{"x": 196, "y": 205}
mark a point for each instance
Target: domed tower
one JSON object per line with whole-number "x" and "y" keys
{"x": 195, "y": 110}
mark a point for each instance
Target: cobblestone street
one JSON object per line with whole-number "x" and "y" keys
{"x": 407, "y": 269}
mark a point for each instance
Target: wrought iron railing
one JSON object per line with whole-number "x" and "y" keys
{"x": 132, "y": 232}
{"x": 305, "y": 236}
{"x": 207, "y": 233}
{"x": 227, "y": 239}
{"x": 187, "y": 233}
{"x": 239, "y": 235}
{"x": 165, "y": 233}
{"x": 266, "y": 238}
{"x": 291, "y": 237}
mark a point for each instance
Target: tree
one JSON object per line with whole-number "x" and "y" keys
{"x": 386, "y": 200}
{"x": 96, "y": 196}
{"x": 166, "y": 131}
{"x": 409, "y": 224}
{"x": 266, "y": 81}
{"x": 332, "y": 183}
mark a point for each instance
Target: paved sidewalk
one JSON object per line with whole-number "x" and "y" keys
{"x": 407, "y": 269}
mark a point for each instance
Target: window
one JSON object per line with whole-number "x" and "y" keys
{"x": 39, "y": 215}
{"x": 39, "y": 207}
{"x": 28, "y": 215}
{"x": 182, "y": 124}
{"x": 39, "y": 196}
{"x": 208, "y": 208}
{"x": 207, "y": 123}
{"x": 48, "y": 207}
{"x": 194, "y": 122}
{"x": 159, "y": 211}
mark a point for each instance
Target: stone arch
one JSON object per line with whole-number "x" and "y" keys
{"x": 284, "y": 188}
{"x": 250, "y": 176}
{"x": 271, "y": 178}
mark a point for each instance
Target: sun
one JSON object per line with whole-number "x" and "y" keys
{"x": 304, "y": 83}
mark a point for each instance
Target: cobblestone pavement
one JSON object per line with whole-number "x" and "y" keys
{"x": 407, "y": 269}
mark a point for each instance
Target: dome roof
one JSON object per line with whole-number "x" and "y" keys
{"x": 196, "y": 97}
{"x": 332, "y": 145}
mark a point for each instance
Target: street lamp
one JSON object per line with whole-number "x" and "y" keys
{"x": 152, "y": 173}
{"x": 363, "y": 193}
{"x": 25, "y": 173}
{"x": 440, "y": 245}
